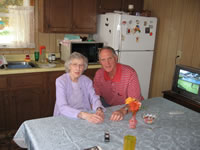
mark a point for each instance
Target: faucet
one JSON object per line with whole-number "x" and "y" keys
{"x": 3, "y": 61}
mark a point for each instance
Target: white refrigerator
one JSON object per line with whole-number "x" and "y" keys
{"x": 133, "y": 38}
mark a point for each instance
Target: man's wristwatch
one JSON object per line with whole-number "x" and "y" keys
{"x": 126, "y": 109}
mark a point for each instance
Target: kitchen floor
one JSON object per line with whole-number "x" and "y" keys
{"x": 6, "y": 142}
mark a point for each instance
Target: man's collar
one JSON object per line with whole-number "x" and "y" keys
{"x": 117, "y": 75}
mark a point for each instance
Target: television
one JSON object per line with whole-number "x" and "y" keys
{"x": 186, "y": 82}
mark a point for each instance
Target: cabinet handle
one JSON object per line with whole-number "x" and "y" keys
{"x": 49, "y": 25}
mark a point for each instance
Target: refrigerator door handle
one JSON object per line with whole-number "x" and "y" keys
{"x": 117, "y": 52}
{"x": 119, "y": 36}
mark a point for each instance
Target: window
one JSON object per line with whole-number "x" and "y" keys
{"x": 16, "y": 24}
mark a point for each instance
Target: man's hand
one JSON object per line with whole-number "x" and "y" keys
{"x": 93, "y": 118}
{"x": 117, "y": 116}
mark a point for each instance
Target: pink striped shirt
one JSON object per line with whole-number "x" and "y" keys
{"x": 124, "y": 84}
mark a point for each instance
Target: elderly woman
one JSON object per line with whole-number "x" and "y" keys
{"x": 75, "y": 95}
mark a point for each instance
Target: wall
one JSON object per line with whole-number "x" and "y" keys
{"x": 178, "y": 34}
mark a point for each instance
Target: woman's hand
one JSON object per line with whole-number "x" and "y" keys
{"x": 93, "y": 118}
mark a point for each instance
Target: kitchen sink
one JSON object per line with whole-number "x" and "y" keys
{"x": 20, "y": 65}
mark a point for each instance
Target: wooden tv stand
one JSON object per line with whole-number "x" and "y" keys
{"x": 177, "y": 98}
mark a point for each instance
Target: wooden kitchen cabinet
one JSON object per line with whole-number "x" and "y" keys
{"x": 55, "y": 16}
{"x": 84, "y": 16}
{"x": 2, "y": 110}
{"x": 3, "y": 98}
{"x": 52, "y": 91}
{"x": 120, "y": 5}
{"x": 21, "y": 98}
{"x": 67, "y": 16}
{"x": 24, "y": 105}
{"x": 27, "y": 91}
{"x": 179, "y": 99}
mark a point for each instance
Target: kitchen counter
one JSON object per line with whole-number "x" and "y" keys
{"x": 59, "y": 67}
{"x": 20, "y": 57}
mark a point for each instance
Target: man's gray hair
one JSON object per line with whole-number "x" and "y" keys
{"x": 108, "y": 48}
{"x": 75, "y": 55}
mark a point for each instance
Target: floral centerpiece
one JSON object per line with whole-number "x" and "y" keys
{"x": 134, "y": 106}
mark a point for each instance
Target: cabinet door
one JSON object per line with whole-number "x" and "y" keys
{"x": 2, "y": 111}
{"x": 51, "y": 82}
{"x": 24, "y": 105}
{"x": 56, "y": 16}
{"x": 84, "y": 16}
{"x": 3, "y": 100}
{"x": 109, "y": 5}
{"x": 27, "y": 94}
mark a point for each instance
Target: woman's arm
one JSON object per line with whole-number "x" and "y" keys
{"x": 93, "y": 118}
{"x": 62, "y": 103}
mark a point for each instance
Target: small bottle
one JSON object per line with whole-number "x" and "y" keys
{"x": 50, "y": 58}
{"x": 42, "y": 57}
{"x": 53, "y": 56}
{"x": 36, "y": 55}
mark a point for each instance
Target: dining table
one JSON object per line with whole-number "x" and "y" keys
{"x": 175, "y": 128}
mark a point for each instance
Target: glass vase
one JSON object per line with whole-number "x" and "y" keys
{"x": 133, "y": 121}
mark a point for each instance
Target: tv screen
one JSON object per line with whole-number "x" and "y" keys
{"x": 187, "y": 82}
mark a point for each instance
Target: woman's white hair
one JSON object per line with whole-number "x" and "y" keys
{"x": 75, "y": 55}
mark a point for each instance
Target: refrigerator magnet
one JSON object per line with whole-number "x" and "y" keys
{"x": 137, "y": 29}
{"x": 137, "y": 21}
{"x": 123, "y": 22}
{"x": 137, "y": 39}
{"x": 150, "y": 33}
{"x": 147, "y": 30}
{"x": 132, "y": 31}
{"x": 145, "y": 23}
{"x": 151, "y": 26}
{"x": 128, "y": 31}
{"x": 122, "y": 37}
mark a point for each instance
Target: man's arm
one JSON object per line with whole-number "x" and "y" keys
{"x": 119, "y": 114}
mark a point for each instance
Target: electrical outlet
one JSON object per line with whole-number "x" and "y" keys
{"x": 179, "y": 53}
{"x": 58, "y": 42}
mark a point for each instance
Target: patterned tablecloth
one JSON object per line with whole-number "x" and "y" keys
{"x": 176, "y": 128}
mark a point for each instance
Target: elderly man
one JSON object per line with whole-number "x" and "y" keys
{"x": 115, "y": 82}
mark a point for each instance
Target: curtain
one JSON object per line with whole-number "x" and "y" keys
{"x": 21, "y": 23}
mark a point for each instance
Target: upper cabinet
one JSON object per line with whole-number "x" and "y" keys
{"x": 84, "y": 16}
{"x": 67, "y": 16}
{"x": 120, "y": 5}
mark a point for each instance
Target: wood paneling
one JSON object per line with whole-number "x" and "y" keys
{"x": 178, "y": 32}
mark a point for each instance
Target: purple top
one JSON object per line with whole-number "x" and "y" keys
{"x": 64, "y": 101}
